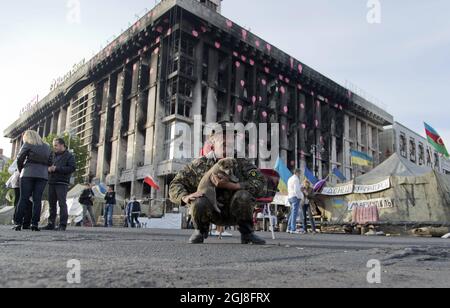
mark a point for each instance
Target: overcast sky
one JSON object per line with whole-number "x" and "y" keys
{"x": 403, "y": 62}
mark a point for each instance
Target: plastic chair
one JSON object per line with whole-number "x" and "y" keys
{"x": 271, "y": 189}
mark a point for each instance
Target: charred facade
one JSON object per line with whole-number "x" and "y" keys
{"x": 184, "y": 59}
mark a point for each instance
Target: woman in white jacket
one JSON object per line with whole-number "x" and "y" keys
{"x": 14, "y": 183}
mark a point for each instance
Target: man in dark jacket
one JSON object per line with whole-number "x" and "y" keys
{"x": 86, "y": 200}
{"x": 110, "y": 202}
{"x": 133, "y": 213}
{"x": 59, "y": 180}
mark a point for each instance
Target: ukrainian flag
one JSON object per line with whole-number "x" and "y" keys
{"x": 361, "y": 159}
{"x": 285, "y": 175}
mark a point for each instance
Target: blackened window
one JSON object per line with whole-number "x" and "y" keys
{"x": 421, "y": 154}
{"x": 403, "y": 145}
{"x": 412, "y": 150}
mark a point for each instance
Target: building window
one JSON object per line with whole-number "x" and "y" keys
{"x": 436, "y": 161}
{"x": 412, "y": 150}
{"x": 429, "y": 162}
{"x": 421, "y": 154}
{"x": 403, "y": 145}
{"x": 187, "y": 67}
{"x": 187, "y": 47}
{"x": 185, "y": 88}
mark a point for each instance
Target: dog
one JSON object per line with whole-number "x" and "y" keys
{"x": 225, "y": 167}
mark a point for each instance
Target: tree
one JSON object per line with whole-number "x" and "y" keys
{"x": 4, "y": 177}
{"x": 80, "y": 152}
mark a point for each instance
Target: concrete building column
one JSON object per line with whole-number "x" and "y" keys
{"x": 139, "y": 127}
{"x": 13, "y": 148}
{"x": 152, "y": 101}
{"x": 197, "y": 96}
{"x": 68, "y": 125}
{"x": 62, "y": 118}
{"x": 160, "y": 128}
{"x": 106, "y": 130}
{"x": 119, "y": 146}
{"x": 54, "y": 123}
{"x": 347, "y": 148}
{"x": 213, "y": 76}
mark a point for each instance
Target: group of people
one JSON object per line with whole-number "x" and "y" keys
{"x": 36, "y": 166}
{"x": 300, "y": 197}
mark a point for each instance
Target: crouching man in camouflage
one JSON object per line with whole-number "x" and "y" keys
{"x": 238, "y": 199}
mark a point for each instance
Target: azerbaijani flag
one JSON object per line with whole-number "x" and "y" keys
{"x": 285, "y": 175}
{"x": 361, "y": 159}
{"x": 436, "y": 141}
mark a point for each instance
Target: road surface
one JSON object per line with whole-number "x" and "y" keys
{"x": 161, "y": 258}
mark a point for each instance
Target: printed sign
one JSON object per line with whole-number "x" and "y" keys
{"x": 383, "y": 203}
{"x": 368, "y": 189}
{"x": 338, "y": 190}
{"x": 356, "y": 189}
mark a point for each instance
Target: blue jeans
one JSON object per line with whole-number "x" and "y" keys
{"x": 109, "y": 212}
{"x": 295, "y": 208}
{"x": 30, "y": 188}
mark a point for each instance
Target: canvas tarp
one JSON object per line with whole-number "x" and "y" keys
{"x": 415, "y": 194}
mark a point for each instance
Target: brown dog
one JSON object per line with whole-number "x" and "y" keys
{"x": 225, "y": 167}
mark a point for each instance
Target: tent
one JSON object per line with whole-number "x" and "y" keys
{"x": 6, "y": 215}
{"x": 397, "y": 191}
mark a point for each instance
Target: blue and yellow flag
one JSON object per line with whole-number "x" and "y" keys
{"x": 285, "y": 175}
{"x": 361, "y": 159}
{"x": 309, "y": 175}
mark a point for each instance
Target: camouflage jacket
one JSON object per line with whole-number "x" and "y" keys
{"x": 186, "y": 182}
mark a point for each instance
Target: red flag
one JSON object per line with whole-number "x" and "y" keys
{"x": 151, "y": 182}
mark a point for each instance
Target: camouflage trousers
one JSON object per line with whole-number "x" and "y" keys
{"x": 239, "y": 211}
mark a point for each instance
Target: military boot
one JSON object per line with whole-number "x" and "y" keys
{"x": 198, "y": 237}
{"x": 252, "y": 238}
{"x": 248, "y": 235}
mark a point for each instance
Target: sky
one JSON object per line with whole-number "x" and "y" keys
{"x": 403, "y": 61}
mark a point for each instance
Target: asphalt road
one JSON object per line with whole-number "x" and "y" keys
{"x": 160, "y": 258}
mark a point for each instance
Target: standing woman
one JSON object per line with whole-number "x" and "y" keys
{"x": 33, "y": 161}
{"x": 309, "y": 194}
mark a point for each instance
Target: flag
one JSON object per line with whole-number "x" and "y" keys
{"x": 339, "y": 175}
{"x": 319, "y": 185}
{"x": 151, "y": 182}
{"x": 436, "y": 140}
{"x": 102, "y": 188}
{"x": 310, "y": 176}
{"x": 361, "y": 159}
{"x": 285, "y": 175}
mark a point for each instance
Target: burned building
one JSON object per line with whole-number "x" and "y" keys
{"x": 183, "y": 59}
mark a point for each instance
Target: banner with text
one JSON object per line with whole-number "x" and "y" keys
{"x": 382, "y": 203}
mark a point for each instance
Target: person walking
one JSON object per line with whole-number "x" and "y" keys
{"x": 86, "y": 200}
{"x": 110, "y": 202}
{"x": 59, "y": 180}
{"x": 133, "y": 213}
{"x": 33, "y": 161}
{"x": 296, "y": 197}
{"x": 308, "y": 192}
